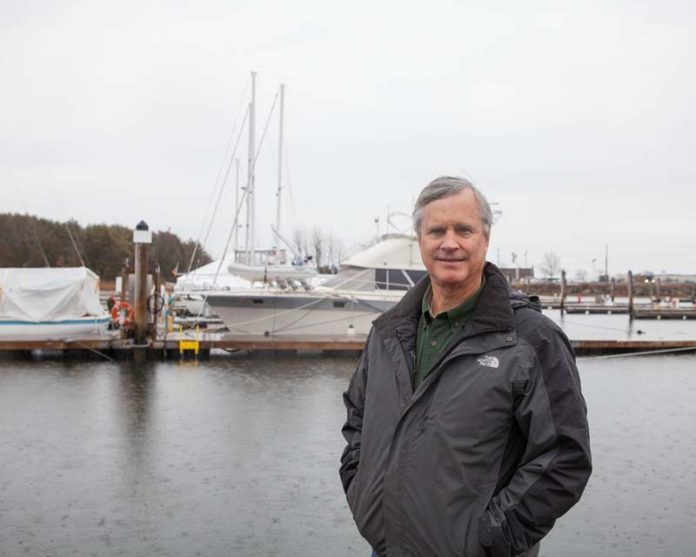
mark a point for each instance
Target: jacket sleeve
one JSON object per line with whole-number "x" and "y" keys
{"x": 354, "y": 400}
{"x": 555, "y": 466}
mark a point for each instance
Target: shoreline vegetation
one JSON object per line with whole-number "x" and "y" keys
{"x": 29, "y": 241}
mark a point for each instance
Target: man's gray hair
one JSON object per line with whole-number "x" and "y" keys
{"x": 445, "y": 186}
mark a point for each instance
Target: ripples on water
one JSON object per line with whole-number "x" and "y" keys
{"x": 237, "y": 457}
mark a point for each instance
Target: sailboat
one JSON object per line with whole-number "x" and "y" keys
{"x": 267, "y": 266}
{"x": 249, "y": 267}
{"x": 285, "y": 299}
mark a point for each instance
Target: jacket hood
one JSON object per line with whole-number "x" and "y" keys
{"x": 519, "y": 300}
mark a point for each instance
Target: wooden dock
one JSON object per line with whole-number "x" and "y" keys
{"x": 639, "y": 311}
{"x": 593, "y": 309}
{"x": 176, "y": 345}
{"x": 664, "y": 313}
{"x": 201, "y": 344}
{"x": 600, "y": 347}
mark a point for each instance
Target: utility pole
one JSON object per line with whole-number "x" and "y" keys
{"x": 606, "y": 261}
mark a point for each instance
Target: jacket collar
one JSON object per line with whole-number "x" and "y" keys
{"x": 493, "y": 311}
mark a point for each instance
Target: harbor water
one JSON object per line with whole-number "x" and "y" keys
{"x": 619, "y": 327}
{"x": 239, "y": 457}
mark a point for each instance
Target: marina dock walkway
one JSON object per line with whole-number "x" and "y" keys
{"x": 201, "y": 344}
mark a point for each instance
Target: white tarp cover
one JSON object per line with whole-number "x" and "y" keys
{"x": 49, "y": 294}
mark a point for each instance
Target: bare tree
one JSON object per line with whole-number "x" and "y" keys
{"x": 340, "y": 252}
{"x": 299, "y": 241}
{"x": 319, "y": 246}
{"x": 550, "y": 264}
{"x": 334, "y": 251}
{"x": 330, "y": 243}
{"x": 581, "y": 275}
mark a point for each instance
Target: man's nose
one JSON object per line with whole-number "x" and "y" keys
{"x": 449, "y": 240}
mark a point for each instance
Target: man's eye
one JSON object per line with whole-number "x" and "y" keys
{"x": 464, "y": 230}
{"x": 436, "y": 231}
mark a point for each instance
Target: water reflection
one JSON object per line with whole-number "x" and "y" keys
{"x": 239, "y": 457}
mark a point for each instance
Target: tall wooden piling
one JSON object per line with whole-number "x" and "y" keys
{"x": 154, "y": 306}
{"x": 613, "y": 289}
{"x": 630, "y": 295}
{"x": 124, "y": 281}
{"x": 563, "y": 290}
{"x": 142, "y": 237}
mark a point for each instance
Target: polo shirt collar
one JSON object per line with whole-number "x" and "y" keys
{"x": 455, "y": 314}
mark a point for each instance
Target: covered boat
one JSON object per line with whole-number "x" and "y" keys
{"x": 50, "y": 303}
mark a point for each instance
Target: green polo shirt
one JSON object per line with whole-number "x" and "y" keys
{"x": 435, "y": 333}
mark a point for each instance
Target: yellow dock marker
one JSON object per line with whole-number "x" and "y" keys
{"x": 185, "y": 345}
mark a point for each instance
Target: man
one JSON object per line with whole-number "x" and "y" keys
{"x": 466, "y": 432}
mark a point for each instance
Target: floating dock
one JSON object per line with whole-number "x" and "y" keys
{"x": 200, "y": 345}
{"x": 592, "y": 309}
{"x": 664, "y": 313}
{"x": 639, "y": 312}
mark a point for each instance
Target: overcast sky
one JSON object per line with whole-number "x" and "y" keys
{"x": 577, "y": 118}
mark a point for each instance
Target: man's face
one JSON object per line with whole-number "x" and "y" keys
{"x": 452, "y": 242}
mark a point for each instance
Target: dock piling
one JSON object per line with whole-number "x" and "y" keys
{"x": 124, "y": 281}
{"x": 630, "y": 295}
{"x": 142, "y": 237}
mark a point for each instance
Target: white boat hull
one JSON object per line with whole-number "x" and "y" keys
{"x": 300, "y": 314}
{"x": 194, "y": 304}
{"x": 347, "y": 303}
{"x": 69, "y": 328}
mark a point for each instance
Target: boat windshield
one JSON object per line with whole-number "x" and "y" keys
{"x": 356, "y": 278}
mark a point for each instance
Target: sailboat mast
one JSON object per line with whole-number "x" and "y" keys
{"x": 280, "y": 158}
{"x": 250, "y": 169}
{"x": 236, "y": 209}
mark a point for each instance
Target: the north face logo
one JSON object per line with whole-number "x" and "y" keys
{"x": 489, "y": 361}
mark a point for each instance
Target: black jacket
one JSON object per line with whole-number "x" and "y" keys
{"x": 490, "y": 449}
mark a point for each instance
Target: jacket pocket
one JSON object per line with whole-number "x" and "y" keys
{"x": 492, "y": 537}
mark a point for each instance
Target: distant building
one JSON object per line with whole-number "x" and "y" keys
{"x": 517, "y": 273}
{"x": 675, "y": 277}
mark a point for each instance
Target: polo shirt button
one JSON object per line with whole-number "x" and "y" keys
{"x": 509, "y": 339}
{"x": 433, "y": 343}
